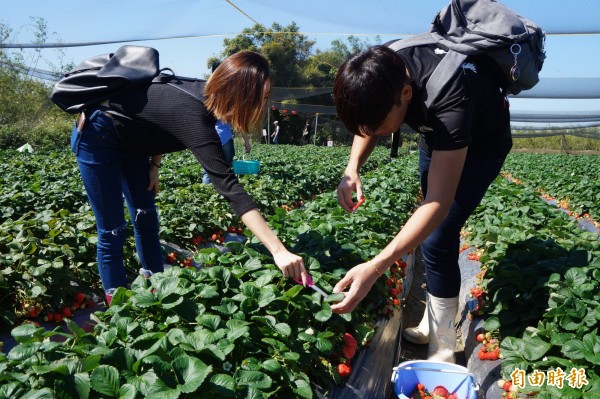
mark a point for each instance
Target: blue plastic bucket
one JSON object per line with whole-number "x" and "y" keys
{"x": 457, "y": 379}
{"x": 246, "y": 167}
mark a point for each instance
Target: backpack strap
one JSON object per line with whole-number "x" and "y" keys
{"x": 169, "y": 77}
{"x": 413, "y": 41}
{"x": 442, "y": 73}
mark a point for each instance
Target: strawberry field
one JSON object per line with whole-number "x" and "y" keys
{"x": 234, "y": 327}
{"x": 539, "y": 283}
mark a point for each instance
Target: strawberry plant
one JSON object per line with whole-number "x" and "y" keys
{"x": 235, "y": 327}
{"x": 570, "y": 178}
{"x": 541, "y": 276}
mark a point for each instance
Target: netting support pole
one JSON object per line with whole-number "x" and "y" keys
{"x": 316, "y": 122}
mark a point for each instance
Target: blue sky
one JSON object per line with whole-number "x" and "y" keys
{"x": 210, "y": 21}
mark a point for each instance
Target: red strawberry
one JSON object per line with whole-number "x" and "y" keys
{"x": 494, "y": 355}
{"x": 79, "y": 297}
{"x": 482, "y": 355}
{"x": 344, "y": 370}
{"x": 349, "y": 348}
{"x": 440, "y": 391}
{"x": 171, "y": 257}
{"x": 348, "y": 352}
{"x": 349, "y": 339}
{"x": 66, "y": 312}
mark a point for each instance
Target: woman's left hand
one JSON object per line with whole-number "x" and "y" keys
{"x": 153, "y": 179}
{"x": 360, "y": 278}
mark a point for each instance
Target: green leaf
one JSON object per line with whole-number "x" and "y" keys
{"x": 190, "y": 372}
{"x": 303, "y": 389}
{"x": 492, "y": 323}
{"x": 325, "y": 346}
{"x": 171, "y": 301}
{"x": 166, "y": 286}
{"x": 82, "y": 385}
{"x": 45, "y": 393}
{"x": 253, "y": 264}
{"x": 227, "y": 307}
{"x": 325, "y": 313}
{"x": 158, "y": 390}
{"x": 266, "y": 297}
{"x": 254, "y": 379}
{"x": 263, "y": 280}
{"x": 224, "y": 384}
{"x": 335, "y": 297}
{"x": 127, "y": 391}
{"x": 210, "y": 321}
{"x": 291, "y": 356}
{"x": 23, "y": 351}
{"x": 105, "y": 380}
{"x": 271, "y": 365}
{"x": 535, "y": 349}
{"x": 237, "y": 329}
{"x": 283, "y": 329}
{"x": 292, "y": 292}
{"x": 144, "y": 299}
{"x": 27, "y": 333}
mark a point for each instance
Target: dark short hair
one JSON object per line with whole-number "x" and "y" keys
{"x": 366, "y": 87}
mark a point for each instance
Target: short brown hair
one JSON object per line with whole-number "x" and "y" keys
{"x": 235, "y": 91}
{"x": 366, "y": 87}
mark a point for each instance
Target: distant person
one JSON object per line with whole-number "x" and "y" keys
{"x": 226, "y": 138}
{"x": 119, "y": 146}
{"x": 275, "y": 134}
{"x": 305, "y": 133}
{"x": 465, "y": 138}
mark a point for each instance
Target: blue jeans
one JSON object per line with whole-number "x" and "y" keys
{"x": 109, "y": 173}
{"x": 440, "y": 249}
{"x": 229, "y": 151}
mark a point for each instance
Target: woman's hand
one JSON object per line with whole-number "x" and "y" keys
{"x": 349, "y": 184}
{"x": 153, "y": 179}
{"x": 291, "y": 265}
{"x": 360, "y": 278}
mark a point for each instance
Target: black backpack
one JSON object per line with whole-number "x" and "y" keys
{"x": 101, "y": 77}
{"x": 98, "y": 78}
{"x": 514, "y": 44}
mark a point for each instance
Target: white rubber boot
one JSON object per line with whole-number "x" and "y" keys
{"x": 442, "y": 334}
{"x": 419, "y": 334}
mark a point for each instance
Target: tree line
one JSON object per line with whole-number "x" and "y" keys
{"x": 28, "y": 116}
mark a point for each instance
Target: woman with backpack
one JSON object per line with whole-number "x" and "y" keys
{"x": 465, "y": 138}
{"x": 119, "y": 146}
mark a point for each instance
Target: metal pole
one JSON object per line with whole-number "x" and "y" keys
{"x": 269, "y": 123}
{"x": 395, "y": 144}
{"x": 316, "y": 122}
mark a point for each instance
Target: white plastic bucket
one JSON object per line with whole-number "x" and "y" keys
{"x": 457, "y": 379}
